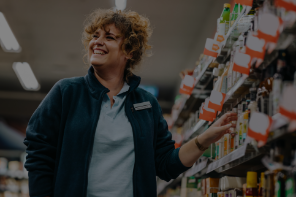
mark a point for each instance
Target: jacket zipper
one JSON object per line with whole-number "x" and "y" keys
{"x": 92, "y": 142}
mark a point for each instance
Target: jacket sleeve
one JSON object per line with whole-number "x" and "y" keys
{"x": 168, "y": 163}
{"x": 41, "y": 141}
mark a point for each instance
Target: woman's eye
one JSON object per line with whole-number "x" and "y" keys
{"x": 109, "y": 37}
{"x": 95, "y": 36}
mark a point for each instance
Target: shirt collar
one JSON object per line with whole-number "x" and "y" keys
{"x": 95, "y": 87}
{"x": 124, "y": 89}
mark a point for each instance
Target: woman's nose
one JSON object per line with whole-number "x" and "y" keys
{"x": 99, "y": 41}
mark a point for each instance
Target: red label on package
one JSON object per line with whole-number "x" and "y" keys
{"x": 206, "y": 113}
{"x": 287, "y": 104}
{"x": 259, "y": 127}
{"x": 289, "y": 5}
{"x": 255, "y": 47}
{"x": 245, "y": 2}
{"x": 270, "y": 27}
{"x": 242, "y": 63}
{"x": 211, "y": 48}
{"x": 216, "y": 100}
{"x": 187, "y": 85}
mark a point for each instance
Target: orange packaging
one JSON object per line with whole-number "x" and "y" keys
{"x": 212, "y": 185}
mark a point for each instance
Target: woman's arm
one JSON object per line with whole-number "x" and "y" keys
{"x": 189, "y": 152}
{"x": 41, "y": 141}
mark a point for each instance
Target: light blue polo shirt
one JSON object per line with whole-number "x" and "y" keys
{"x": 113, "y": 157}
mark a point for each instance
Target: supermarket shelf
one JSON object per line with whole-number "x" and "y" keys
{"x": 240, "y": 160}
{"x": 233, "y": 96}
{"x": 200, "y": 92}
{"x": 286, "y": 38}
{"x": 236, "y": 154}
{"x": 162, "y": 185}
{"x": 196, "y": 168}
{"x": 231, "y": 37}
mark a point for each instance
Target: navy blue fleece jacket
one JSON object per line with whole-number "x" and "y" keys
{"x": 60, "y": 137}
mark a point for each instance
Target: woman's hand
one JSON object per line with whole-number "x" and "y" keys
{"x": 189, "y": 152}
{"x": 218, "y": 129}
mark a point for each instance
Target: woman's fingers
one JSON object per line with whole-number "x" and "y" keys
{"x": 228, "y": 117}
{"x": 224, "y": 128}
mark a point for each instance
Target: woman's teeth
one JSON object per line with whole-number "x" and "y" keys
{"x": 99, "y": 52}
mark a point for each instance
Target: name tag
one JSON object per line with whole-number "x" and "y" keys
{"x": 141, "y": 106}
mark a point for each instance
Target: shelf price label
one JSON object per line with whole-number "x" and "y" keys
{"x": 219, "y": 38}
{"x": 270, "y": 27}
{"x": 212, "y": 48}
{"x": 207, "y": 113}
{"x": 255, "y": 47}
{"x": 245, "y": 2}
{"x": 289, "y": 5}
{"x": 187, "y": 85}
{"x": 259, "y": 127}
{"x": 287, "y": 105}
{"x": 216, "y": 100}
{"x": 242, "y": 63}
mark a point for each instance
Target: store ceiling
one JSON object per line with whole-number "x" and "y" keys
{"x": 49, "y": 33}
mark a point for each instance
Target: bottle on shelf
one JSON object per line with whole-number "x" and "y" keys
{"x": 223, "y": 25}
{"x": 253, "y": 104}
{"x": 251, "y": 189}
{"x": 277, "y": 81}
{"x": 230, "y": 73}
{"x": 235, "y": 12}
{"x": 279, "y": 151}
{"x": 232, "y": 130}
{"x": 216, "y": 75}
{"x": 261, "y": 191}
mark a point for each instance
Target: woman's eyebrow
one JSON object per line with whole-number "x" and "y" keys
{"x": 109, "y": 33}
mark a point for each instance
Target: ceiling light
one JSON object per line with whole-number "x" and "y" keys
{"x": 26, "y": 76}
{"x": 7, "y": 39}
{"x": 120, "y": 4}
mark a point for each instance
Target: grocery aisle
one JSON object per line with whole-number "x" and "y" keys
{"x": 247, "y": 68}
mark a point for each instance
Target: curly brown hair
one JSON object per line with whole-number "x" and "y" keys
{"x": 134, "y": 28}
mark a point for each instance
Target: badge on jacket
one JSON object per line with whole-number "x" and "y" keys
{"x": 141, "y": 106}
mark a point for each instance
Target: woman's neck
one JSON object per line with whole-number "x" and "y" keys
{"x": 114, "y": 82}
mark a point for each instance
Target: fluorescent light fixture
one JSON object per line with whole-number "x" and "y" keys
{"x": 7, "y": 39}
{"x": 26, "y": 76}
{"x": 120, "y": 4}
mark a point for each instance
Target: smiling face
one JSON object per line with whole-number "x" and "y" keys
{"x": 105, "y": 49}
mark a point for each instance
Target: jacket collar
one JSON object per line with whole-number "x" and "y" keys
{"x": 95, "y": 87}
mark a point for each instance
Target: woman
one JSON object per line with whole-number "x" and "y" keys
{"x": 101, "y": 135}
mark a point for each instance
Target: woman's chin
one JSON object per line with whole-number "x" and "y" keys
{"x": 97, "y": 63}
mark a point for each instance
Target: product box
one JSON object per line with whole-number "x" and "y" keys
{"x": 203, "y": 186}
{"x": 235, "y": 192}
{"x": 233, "y": 182}
{"x": 220, "y": 194}
{"x": 226, "y": 144}
{"x": 226, "y": 194}
{"x": 189, "y": 187}
{"x": 212, "y": 185}
{"x": 213, "y": 150}
{"x": 213, "y": 195}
